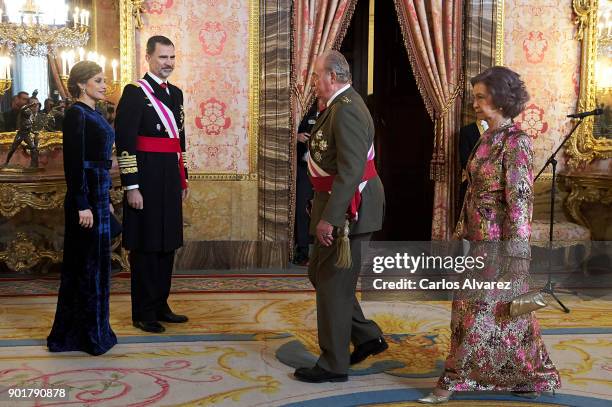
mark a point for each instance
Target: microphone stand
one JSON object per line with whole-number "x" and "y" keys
{"x": 549, "y": 288}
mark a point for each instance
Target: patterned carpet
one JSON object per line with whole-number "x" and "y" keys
{"x": 238, "y": 349}
{"x": 182, "y": 283}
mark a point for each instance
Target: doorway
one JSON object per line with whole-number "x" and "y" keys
{"x": 404, "y": 130}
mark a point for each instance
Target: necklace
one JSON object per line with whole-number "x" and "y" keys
{"x": 504, "y": 124}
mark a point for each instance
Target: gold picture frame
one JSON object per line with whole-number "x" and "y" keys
{"x": 130, "y": 18}
{"x": 583, "y": 147}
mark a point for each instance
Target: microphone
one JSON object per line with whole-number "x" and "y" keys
{"x": 595, "y": 112}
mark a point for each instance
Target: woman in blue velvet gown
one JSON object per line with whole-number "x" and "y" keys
{"x": 82, "y": 315}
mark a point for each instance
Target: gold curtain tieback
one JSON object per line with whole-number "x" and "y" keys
{"x": 438, "y": 160}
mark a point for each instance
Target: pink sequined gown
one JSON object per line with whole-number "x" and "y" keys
{"x": 489, "y": 350}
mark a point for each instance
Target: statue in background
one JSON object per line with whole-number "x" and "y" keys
{"x": 29, "y": 126}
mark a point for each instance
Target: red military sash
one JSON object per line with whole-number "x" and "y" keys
{"x": 323, "y": 182}
{"x": 163, "y": 145}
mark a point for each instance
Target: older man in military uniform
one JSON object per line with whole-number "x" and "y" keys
{"x": 348, "y": 196}
{"x": 150, "y": 145}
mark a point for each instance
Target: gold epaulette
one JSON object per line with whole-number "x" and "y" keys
{"x": 127, "y": 163}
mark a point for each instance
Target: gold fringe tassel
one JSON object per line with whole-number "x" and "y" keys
{"x": 344, "y": 261}
{"x": 437, "y": 164}
{"x": 437, "y": 170}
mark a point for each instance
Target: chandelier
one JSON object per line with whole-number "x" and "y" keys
{"x": 71, "y": 57}
{"x": 30, "y": 28}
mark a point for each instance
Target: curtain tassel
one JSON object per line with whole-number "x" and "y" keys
{"x": 438, "y": 160}
{"x": 437, "y": 170}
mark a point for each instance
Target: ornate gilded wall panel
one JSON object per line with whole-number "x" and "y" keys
{"x": 584, "y": 147}
{"x": 586, "y": 188}
{"x": 31, "y": 220}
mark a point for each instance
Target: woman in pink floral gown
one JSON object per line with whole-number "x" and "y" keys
{"x": 491, "y": 351}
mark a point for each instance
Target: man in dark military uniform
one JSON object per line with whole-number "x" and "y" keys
{"x": 468, "y": 137}
{"x": 347, "y": 192}
{"x": 150, "y": 140}
{"x": 303, "y": 190}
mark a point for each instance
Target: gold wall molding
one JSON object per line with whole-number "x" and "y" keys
{"x": 499, "y": 32}
{"x": 127, "y": 41}
{"x": 22, "y": 254}
{"x": 130, "y": 17}
{"x": 16, "y": 196}
{"x": 43, "y": 193}
{"x": 586, "y": 188}
{"x": 583, "y": 147}
{"x": 120, "y": 255}
{"x": 137, "y": 12}
{"x": 254, "y": 71}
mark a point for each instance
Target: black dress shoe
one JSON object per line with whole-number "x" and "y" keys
{"x": 369, "y": 348}
{"x": 300, "y": 259}
{"x": 150, "y": 326}
{"x": 317, "y": 374}
{"x": 172, "y": 317}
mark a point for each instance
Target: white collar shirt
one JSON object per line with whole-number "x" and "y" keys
{"x": 159, "y": 81}
{"x": 342, "y": 89}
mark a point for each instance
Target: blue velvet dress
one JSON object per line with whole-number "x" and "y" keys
{"x": 82, "y": 315}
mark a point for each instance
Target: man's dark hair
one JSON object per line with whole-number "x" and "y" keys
{"x": 157, "y": 39}
{"x": 21, "y": 93}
